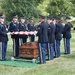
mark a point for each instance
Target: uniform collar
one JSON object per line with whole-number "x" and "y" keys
{"x": 31, "y": 23}
{"x": 51, "y": 23}
{"x": 1, "y": 23}
{"x": 14, "y": 22}
{"x": 42, "y": 22}
{"x": 23, "y": 23}
{"x": 68, "y": 22}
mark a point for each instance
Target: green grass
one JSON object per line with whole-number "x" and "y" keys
{"x": 65, "y": 65}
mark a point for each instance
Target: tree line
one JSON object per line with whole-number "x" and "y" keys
{"x": 29, "y": 8}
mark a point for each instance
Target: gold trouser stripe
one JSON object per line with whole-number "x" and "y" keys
{"x": 0, "y": 50}
{"x": 55, "y": 47}
{"x": 14, "y": 47}
{"x": 40, "y": 52}
{"x": 20, "y": 41}
{"x": 64, "y": 39}
{"x": 49, "y": 51}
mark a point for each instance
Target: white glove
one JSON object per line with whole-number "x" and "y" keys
{"x": 35, "y": 32}
{"x": 9, "y": 33}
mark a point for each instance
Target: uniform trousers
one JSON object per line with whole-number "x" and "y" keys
{"x": 32, "y": 38}
{"x": 16, "y": 47}
{"x": 51, "y": 56}
{"x": 58, "y": 47}
{"x": 4, "y": 47}
{"x": 42, "y": 52}
{"x": 68, "y": 46}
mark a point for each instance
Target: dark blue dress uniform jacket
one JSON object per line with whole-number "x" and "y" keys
{"x": 23, "y": 27}
{"x": 42, "y": 32}
{"x": 3, "y": 35}
{"x": 31, "y": 27}
{"x": 58, "y": 31}
{"x": 51, "y": 33}
{"x": 14, "y": 27}
{"x": 67, "y": 30}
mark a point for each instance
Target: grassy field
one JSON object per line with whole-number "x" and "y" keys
{"x": 65, "y": 65}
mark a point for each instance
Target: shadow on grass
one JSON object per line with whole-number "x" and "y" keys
{"x": 69, "y": 56}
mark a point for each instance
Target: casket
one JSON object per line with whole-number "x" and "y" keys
{"x": 28, "y": 50}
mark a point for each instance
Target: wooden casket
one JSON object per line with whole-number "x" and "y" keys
{"x": 28, "y": 50}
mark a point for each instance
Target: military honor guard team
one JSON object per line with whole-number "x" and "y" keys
{"x": 49, "y": 35}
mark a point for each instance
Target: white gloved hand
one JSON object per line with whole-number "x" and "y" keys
{"x": 21, "y": 32}
{"x": 9, "y": 33}
{"x": 35, "y": 32}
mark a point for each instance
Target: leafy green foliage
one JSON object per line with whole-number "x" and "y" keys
{"x": 59, "y": 8}
{"x": 30, "y": 8}
{"x": 21, "y": 7}
{"x": 73, "y": 7}
{"x": 42, "y": 7}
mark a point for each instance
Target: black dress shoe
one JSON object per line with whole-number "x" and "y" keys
{"x": 3, "y": 59}
{"x": 39, "y": 63}
{"x": 65, "y": 53}
{"x": 44, "y": 63}
{"x": 55, "y": 56}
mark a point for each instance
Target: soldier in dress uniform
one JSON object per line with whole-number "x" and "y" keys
{"x": 42, "y": 39}
{"x": 31, "y": 27}
{"x": 58, "y": 35}
{"x": 67, "y": 35}
{"x": 23, "y": 28}
{"x": 51, "y": 37}
{"x": 3, "y": 38}
{"x": 14, "y": 27}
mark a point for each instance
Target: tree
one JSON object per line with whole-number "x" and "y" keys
{"x": 42, "y": 7}
{"x": 73, "y": 7}
{"x": 20, "y": 7}
{"x": 59, "y": 8}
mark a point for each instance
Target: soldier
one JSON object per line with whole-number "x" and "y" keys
{"x": 31, "y": 27}
{"x": 58, "y": 35}
{"x": 3, "y": 38}
{"x": 67, "y": 35}
{"x": 42, "y": 39}
{"x": 14, "y": 27}
{"x": 51, "y": 37}
{"x": 23, "y": 27}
